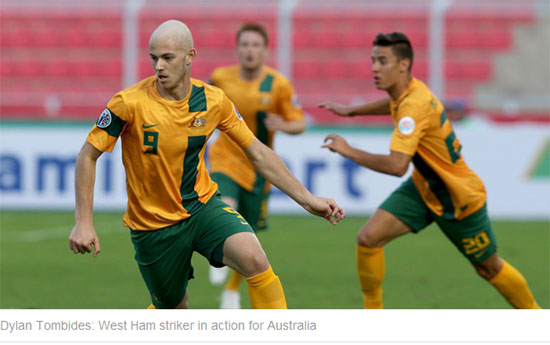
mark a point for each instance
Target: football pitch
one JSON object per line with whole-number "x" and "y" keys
{"x": 315, "y": 261}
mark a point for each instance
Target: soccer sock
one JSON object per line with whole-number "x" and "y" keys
{"x": 512, "y": 285}
{"x": 234, "y": 281}
{"x": 371, "y": 267}
{"x": 151, "y": 306}
{"x": 265, "y": 291}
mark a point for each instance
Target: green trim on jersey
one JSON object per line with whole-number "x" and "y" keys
{"x": 191, "y": 161}
{"x": 437, "y": 186}
{"x": 116, "y": 126}
{"x": 261, "y": 130}
{"x": 263, "y": 136}
{"x": 443, "y": 118}
{"x": 197, "y": 100}
{"x": 267, "y": 83}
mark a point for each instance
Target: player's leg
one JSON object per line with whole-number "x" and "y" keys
{"x": 218, "y": 275}
{"x": 184, "y": 304}
{"x": 508, "y": 281}
{"x": 244, "y": 253}
{"x": 164, "y": 260}
{"x": 229, "y": 191}
{"x": 475, "y": 239}
{"x": 381, "y": 228}
{"x": 253, "y": 207}
{"x": 227, "y": 239}
{"x": 230, "y": 297}
{"x": 402, "y": 212}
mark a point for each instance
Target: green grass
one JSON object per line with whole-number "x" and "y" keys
{"x": 315, "y": 261}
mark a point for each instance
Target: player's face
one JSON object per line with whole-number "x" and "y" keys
{"x": 385, "y": 67}
{"x": 251, "y": 49}
{"x": 170, "y": 61}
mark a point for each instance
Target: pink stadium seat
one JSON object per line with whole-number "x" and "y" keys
{"x": 7, "y": 67}
{"x": 331, "y": 48}
{"x": 305, "y": 69}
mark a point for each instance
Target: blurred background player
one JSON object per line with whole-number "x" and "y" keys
{"x": 442, "y": 188}
{"x": 164, "y": 122}
{"x": 267, "y": 103}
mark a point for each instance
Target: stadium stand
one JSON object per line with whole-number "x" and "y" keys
{"x": 65, "y": 62}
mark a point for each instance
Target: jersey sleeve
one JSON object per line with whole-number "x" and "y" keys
{"x": 233, "y": 124}
{"x": 289, "y": 107}
{"x": 109, "y": 125}
{"x": 411, "y": 125}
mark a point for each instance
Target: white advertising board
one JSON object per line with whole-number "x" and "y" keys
{"x": 37, "y": 168}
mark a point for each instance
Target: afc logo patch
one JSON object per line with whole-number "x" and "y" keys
{"x": 406, "y": 125}
{"x": 104, "y": 119}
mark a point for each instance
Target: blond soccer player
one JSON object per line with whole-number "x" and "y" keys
{"x": 164, "y": 122}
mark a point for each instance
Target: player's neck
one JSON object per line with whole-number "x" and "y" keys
{"x": 251, "y": 74}
{"x": 178, "y": 93}
{"x": 399, "y": 87}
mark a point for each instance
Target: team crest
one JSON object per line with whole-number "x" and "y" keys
{"x": 406, "y": 125}
{"x": 104, "y": 119}
{"x": 197, "y": 123}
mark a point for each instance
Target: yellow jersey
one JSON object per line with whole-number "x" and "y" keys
{"x": 421, "y": 129}
{"x": 271, "y": 92}
{"x": 163, "y": 145}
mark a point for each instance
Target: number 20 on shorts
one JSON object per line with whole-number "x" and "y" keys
{"x": 476, "y": 243}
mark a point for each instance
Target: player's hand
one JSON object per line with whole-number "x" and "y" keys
{"x": 82, "y": 238}
{"x": 326, "y": 208}
{"x": 338, "y": 109}
{"x": 274, "y": 122}
{"x": 336, "y": 143}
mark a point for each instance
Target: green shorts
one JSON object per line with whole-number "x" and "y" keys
{"x": 473, "y": 235}
{"x": 164, "y": 256}
{"x": 252, "y": 205}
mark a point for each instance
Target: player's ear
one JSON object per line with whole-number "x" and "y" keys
{"x": 404, "y": 65}
{"x": 190, "y": 56}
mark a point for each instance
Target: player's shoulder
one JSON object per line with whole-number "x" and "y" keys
{"x": 225, "y": 72}
{"x": 212, "y": 93}
{"x": 277, "y": 76}
{"x": 418, "y": 96}
{"x": 419, "y": 93}
{"x": 135, "y": 92}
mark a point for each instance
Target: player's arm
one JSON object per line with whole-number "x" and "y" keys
{"x": 83, "y": 234}
{"x": 272, "y": 167}
{"x": 379, "y": 107}
{"x": 396, "y": 163}
{"x": 290, "y": 118}
{"x": 275, "y": 122}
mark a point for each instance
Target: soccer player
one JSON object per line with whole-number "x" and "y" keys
{"x": 442, "y": 188}
{"x": 267, "y": 103}
{"x": 164, "y": 122}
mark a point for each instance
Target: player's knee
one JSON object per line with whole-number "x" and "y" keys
{"x": 367, "y": 239}
{"x": 487, "y": 271}
{"x": 254, "y": 263}
{"x": 184, "y": 304}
